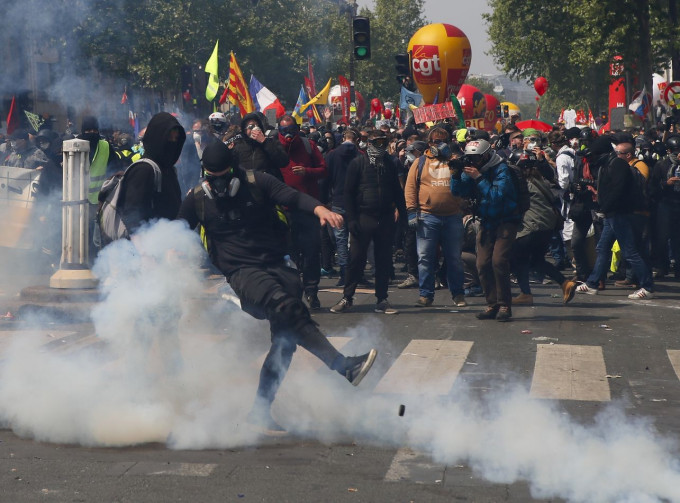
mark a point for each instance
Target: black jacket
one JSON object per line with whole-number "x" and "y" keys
{"x": 373, "y": 191}
{"x": 244, "y": 230}
{"x": 659, "y": 190}
{"x": 337, "y": 162}
{"x": 615, "y": 187}
{"x": 268, "y": 156}
{"x": 139, "y": 200}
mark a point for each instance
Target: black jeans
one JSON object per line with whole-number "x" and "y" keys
{"x": 380, "y": 230}
{"x": 494, "y": 248}
{"x": 667, "y": 218}
{"x": 528, "y": 254}
{"x": 578, "y": 245}
{"x": 306, "y": 240}
{"x": 274, "y": 293}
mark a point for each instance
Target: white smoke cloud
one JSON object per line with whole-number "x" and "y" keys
{"x": 173, "y": 366}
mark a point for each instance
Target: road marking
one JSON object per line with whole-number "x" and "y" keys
{"x": 425, "y": 367}
{"x": 177, "y": 469}
{"x": 413, "y": 466}
{"x": 674, "y": 357}
{"x": 48, "y": 336}
{"x": 570, "y": 372}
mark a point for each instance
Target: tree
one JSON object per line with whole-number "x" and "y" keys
{"x": 571, "y": 43}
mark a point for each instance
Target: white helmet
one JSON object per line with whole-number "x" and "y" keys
{"x": 478, "y": 152}
{"x": 217, "y": 120}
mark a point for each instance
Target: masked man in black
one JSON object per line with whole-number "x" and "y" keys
{"x": 236, "y": 207}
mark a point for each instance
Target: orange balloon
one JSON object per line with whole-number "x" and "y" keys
{"x": 440, "y": 60}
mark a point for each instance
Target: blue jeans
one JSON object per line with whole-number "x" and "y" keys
{"x": 447, "y": 231}
{"x": 341, "y": 240}
{"x": 619, "y": 228}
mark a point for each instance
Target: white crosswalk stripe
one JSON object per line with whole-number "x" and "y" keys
{"x": 674, "y": 356}
{"x": 425, "y": 367}
{"x": 570, "y": 372}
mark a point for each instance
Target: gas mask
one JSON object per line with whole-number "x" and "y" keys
{"x": 673, "y": 156}
{"x": 221, "y": 186}
{"x": 288, "y": 132}
{"x": 441, "y": 150}
{"x": 410, "y": 157}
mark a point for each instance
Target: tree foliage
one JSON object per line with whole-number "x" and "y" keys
{"x": 572, "y": 42}
{"x": 147, "y": 42}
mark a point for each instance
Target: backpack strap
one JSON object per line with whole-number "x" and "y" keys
{"x": 308, "y": 146}
{"x": 157, "y": 174}
{"x": 199, "y": 202}
{"x": 419, "y": 175}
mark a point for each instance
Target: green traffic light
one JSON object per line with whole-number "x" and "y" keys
{"x": 361, "y": 52}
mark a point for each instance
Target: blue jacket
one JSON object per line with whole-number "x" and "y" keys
{"x": 495, "y": 193}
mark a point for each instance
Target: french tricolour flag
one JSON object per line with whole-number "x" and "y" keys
{"x": 264, "y": 99}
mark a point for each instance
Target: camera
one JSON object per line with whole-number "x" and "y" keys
{"x": 456, "y": 166}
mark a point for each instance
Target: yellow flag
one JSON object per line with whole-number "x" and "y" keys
{"x": 321, "y": 97}
{"x": 213, "y": 79}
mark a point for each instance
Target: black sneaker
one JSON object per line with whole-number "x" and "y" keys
{"x": 344, "y": 305}
{"x": 261, "y": 421}
{"x": 504, "y": 314}
{"x": 489, "y": 314}
{"x": 313, "y": 301}
{"x": 356, "y": 367}
{"x": 384, "y": 307}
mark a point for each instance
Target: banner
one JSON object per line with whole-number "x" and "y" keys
{"x": 431, "y": 113}
{"x": 299, "y": 105}
{"x": 12, "y": 116}
{"x": 344, "y": 96}
{"x": 213, "y": 80}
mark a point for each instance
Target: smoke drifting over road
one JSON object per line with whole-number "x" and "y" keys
{"x": 169, "y": 369}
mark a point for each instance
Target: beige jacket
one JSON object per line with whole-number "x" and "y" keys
{"x": 434, "y": 196}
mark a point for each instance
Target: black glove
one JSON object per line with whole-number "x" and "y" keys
{"x": 354, "y": 228}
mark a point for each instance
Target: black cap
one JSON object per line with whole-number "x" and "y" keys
{"x": 623, "y": 138}
{"x": 19, "y": 134}
{"x": 572, "y": 132}
{"x": 216, "y": 157}
{"x": 90, "y": 123}
{"x": 601, "y": 145}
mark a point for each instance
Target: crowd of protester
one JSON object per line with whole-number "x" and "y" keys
{"x": 432, "y": 207}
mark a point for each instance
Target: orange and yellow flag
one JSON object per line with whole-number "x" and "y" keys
{"x": 237, "y": 89}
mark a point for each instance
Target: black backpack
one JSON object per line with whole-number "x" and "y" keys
{"x": 521, "y": 189}
{"x": 640, "y": 196}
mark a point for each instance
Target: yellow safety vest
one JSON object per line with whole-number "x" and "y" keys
{"x": 98, "y": 171}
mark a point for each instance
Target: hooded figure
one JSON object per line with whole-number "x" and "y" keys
{"x": 257, "y": 152}
{"x": 163, "y": 142}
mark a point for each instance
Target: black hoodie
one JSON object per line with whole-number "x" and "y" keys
{"x": 333, "y": 186}
{"x": 268, "y": 156}
{"x": 139, "y": 200}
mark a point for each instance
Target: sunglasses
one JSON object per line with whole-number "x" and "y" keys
{"x": 378, "y": 142}
{"x": 532, "y": 138}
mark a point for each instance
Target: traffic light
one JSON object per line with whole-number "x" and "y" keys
{"x": 403, "y": 68}
{"x": 361, "y": 30}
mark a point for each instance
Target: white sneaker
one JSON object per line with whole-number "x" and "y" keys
{"x": 584, "y": 288}
{"x": 641, "y": 294}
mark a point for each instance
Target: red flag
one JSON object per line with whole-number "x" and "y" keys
{"x": 561, "y": 119}
{"x": 344, "y": 96}
{"x": 310, "y": 73}
{"x": 309, "y": 88}
{"x": 124, "y": 98}
{"x": 12, "y": 117}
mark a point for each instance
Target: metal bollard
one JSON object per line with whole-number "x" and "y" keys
{"x": 74, "y": 270}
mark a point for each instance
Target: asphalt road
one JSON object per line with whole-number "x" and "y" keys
{"x": 565, "y": 403}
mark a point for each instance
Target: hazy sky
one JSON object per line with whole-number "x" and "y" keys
{"x": 466, "y": 15}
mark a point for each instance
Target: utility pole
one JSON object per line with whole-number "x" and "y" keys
{"x": 351, "y": 12}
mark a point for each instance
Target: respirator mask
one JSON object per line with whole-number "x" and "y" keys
{"x": 441, "y": 150}
{"x": 221, "y": 186}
